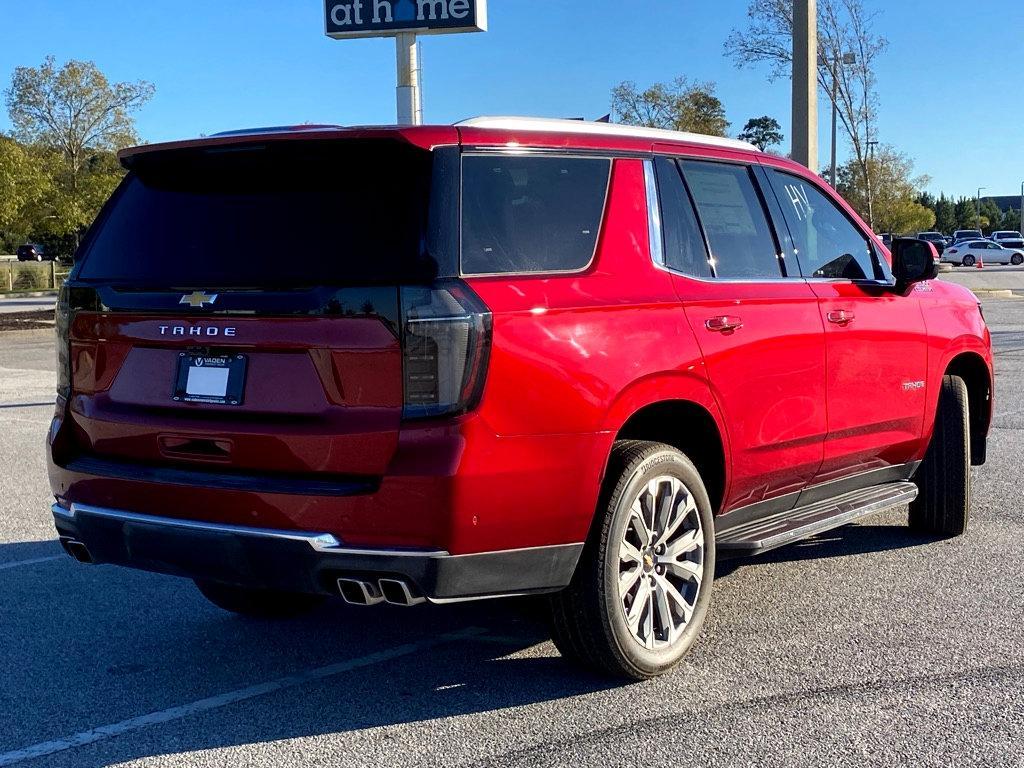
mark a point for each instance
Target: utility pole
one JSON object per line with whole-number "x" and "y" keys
{"x": 1020, "y": 220}
{"x": 805, "y": 83}
{"x": 847, "y": 59}
{"x": 977, "y": 207}
{"x": 410, "y": 102}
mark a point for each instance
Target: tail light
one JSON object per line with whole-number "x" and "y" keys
{"x": 63, "y": 323}
{"x": 446, "y": 342}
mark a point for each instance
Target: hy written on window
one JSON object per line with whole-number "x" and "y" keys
{"x": 828, "y": 244}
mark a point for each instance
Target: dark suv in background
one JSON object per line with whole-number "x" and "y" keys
{"x": 33, "y": 252}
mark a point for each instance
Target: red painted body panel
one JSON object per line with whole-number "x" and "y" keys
{"x": 877, "y": 371}
{"x": 768, "y": 378}
{"x": 796, "y": 399}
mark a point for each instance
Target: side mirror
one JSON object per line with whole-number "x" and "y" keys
{"x": 913, "y": 261}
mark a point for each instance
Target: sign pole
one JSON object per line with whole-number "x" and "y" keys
{"x": 805, "y": 83}
{"x": 407, "y": 58}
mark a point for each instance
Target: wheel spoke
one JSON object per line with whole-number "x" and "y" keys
{"x": 636, "y": 609}
{"x": 627, "y": 579}
{"x": 639, "y": 523}
{"x": 686, "y": 569}
{"x": 665, "y": 618}
{"x": 673, "y": 594}
{"x": 669, "y": 529}
{"x": 648, "y": 626}
{"x": 629, "y": 553}
{"x": 685, "y": 544}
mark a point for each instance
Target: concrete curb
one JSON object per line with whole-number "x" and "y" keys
{"x": 995, "y": 293}
{"x": 28, "y": 294}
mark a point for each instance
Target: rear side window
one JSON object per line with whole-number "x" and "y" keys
{"x": 685, "y": 250}
{"x": 828, "y": 244}
{"x": 523, "y": 214}
{"x": 734, "y": 219}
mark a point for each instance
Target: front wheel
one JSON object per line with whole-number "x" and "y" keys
{"x": 1017, "y": 259}
{"x": 641, "y": 590}
{"x": 968, "y": 261}
{"x": 943, "y": 503}
{"x": 261, "y": 603}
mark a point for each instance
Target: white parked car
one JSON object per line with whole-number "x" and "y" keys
{"x": 967, "y": 253}
{"x": 1008, "y": 239}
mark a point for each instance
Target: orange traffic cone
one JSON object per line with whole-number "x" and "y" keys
{"x": 980, "y": 263}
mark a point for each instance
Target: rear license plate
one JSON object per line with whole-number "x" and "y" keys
{"x": 216, "y": 379}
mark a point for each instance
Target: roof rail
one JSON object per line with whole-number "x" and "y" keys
{"x": 509, "y": 123}
{"x": 275, "y": 129}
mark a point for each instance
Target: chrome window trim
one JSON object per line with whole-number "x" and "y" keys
{"x": 526, "y": 152}
{"x": 655, "y": 233}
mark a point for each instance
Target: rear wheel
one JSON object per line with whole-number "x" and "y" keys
{"x": 968, "y": 261}
{"x": 943, "y": 504}
{"x": 263, "y": 603}
{"x": 640, "y": 593}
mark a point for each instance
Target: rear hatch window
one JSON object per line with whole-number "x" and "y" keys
{"x": 282, "y": 215}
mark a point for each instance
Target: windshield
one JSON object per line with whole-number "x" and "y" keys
{"x": 288, "y": 215}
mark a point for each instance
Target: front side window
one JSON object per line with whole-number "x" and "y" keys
{"x": 828, "y": 244}
{"x": 730, "y": 208}
{"x": 523, "y": 214}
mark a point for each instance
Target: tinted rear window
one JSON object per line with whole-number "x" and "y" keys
{"x": 288, "y": 215}
{"x": 525, "y": 214}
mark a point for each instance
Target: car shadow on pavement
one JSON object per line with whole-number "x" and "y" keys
{"x": 92, "y": 646}
{"x": 841, "y": 542}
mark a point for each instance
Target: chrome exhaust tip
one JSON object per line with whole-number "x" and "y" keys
{"x": 359, "y": 592}
{"x": 397, "y": 592}
{"x": 76, "y": 549}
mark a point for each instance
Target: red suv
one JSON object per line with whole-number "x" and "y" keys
{"x": 506, "y": 357}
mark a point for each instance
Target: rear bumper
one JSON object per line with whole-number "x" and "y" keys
{"x": 310, "y": 562}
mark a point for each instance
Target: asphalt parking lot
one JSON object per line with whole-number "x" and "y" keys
{"x": 867, "y": 645}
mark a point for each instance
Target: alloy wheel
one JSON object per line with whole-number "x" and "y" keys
{"x": 661, "y": 563}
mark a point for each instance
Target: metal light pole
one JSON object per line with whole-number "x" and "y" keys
{"x": 847, "y": 59}
{"x": 410, "y": 103}
{"x": 977, "y": 207}
{"x": 805, "y": 83}
{"x": 1020, "y": 220}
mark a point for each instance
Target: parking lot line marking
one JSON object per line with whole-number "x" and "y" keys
{"x": 33, "y": 561}
{"x": 104, "y": 732}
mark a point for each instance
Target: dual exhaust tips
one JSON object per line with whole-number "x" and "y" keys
{"x": 392, "y": 591}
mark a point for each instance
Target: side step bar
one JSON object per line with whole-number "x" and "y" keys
{"x": 783, "y": 528}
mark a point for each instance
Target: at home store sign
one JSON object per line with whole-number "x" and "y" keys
{"x": 385, "y": 18}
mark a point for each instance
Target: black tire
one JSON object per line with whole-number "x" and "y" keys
{"x": 260, "y": 603}
{"x": 943, "y": 504}
{"x": 1017, "y": 259}
{"x": 968, "y": 261}
{"x": 588, "y": 618}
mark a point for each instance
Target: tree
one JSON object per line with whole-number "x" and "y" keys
{"x": 762, "y": 132}
{"x": 73, "y": 119}
{"x": 896, "y": 194}
{"x": 23, "y": 186}
{"x": 676, "y": 106}
{"x": 74, "y": 109}
{"x": 991, "y": 214}
{"x": 844, "y": 27}
{"x": 945, "y": 215}
{"x": 966, "y": 213}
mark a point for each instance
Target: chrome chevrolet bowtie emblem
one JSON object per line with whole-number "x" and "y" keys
{"x": 198, "y": 299}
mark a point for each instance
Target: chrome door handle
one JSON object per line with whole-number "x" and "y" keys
{"x": 724, "y": 324}
{"x": 841, "y": 316}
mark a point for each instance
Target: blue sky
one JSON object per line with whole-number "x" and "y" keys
{"x": 957, "y": 108}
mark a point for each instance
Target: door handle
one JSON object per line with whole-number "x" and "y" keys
{"x": 841, "y": 316}
{"x": 724, "y": 324}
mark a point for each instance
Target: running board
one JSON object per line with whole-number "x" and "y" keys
{"x": 783, "y": 528}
